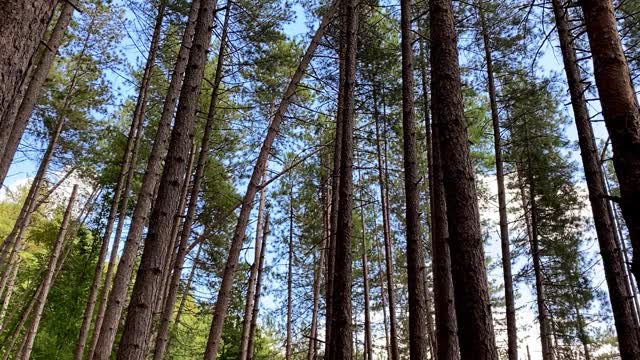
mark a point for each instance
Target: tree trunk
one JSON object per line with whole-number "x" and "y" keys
{"x": 149, "y": 276}
{"x": 512, "y": 335}
{"x": 7, "y": 296}
{"x": 247, "y": 201}
{"x": 429, "y": 146}
{"x": 163, "y": 333}
{"x": 386, "y": 229}
{"x": 313, "y": 335}
{"x": 383, "y": 302}
{"x": 104, "y": 337}
{"x": 19, "y": 120}
{"x": 415, "y": 258}
{"x": 48, "y": 279}
{"x": 256, "y": 301}
{"x": 187, "y": 289}
{"x": 22, "y": 25}
{"x": 341, "y": 328}
{"x": 620, "y": 111}
{"x": 612, "y": 261}
{"x": 368, "y": 344}
{"x": 287, "y": 355}
{"x": 468, "y": 271}
{"x": 335, "y": 186}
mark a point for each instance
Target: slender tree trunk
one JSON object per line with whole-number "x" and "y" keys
{"x": 629, "y": 343}
{"x": 415, "y": 258}
{"x": 512, "y": 334}
{"x": 21, "y": 117}
{"x": 106, "y": 334}
{"x": 468, "y": 271}
{"x": 383, "y": 303}
{"x": 247, "y": 201}
{"x": 290, "y": 278}
{"x": 48, "y": 280}
{"x": 163, "y": 334}
{"x": 429, "y": 146}
{"x": 187, "y": 289}
{"x": 341, "y": 328}
{"x": 386, "y": 229}
{"x": 22, "y": 25}
{"x": 16, "y": 237}
{"x": 368, "y": 344}
{"x": 317, "y": 277}
{"x": 251, "y": 288}
{"x": 256, "y": 301}
{"x": 7, "y": 296}
{"x": 149, "y": 276}
{"x": 620, "y": 111}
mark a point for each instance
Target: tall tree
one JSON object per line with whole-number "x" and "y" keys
{"x": 602, "y": 216}
{"x": 415, "y": 258}
{"x": 620, "y": 111}
{"x": 149, "y": 276}
{"x": 469, "y": 275}
{"x": 222, "y": 301}
{"x": 512, "y": 334}
{"x": 22, "y": 26}
{"x": 105, "y": 334}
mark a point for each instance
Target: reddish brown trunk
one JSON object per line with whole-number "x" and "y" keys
{"x": 247, "y": 201}
{"x": 313, "y": 334}
{"x": 468, "y": 271}
{"x": 104, "y": 337}
{"x": 512, "y": 335}
{"x": 620, "y": 111}
{"x": 612, "y": 261}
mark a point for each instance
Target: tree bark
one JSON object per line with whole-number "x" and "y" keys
{"x": 628, "y": 341}
{"x": 620, "y": 111}
{"x": 247, "y": 201}
{"x": 386, "y": 230}
{"x": 415, "y": 258}
{"x": 341, "y": 328}
{"x": 313, "y": 341}
{"x": 256, "y": 301}
{"x": 20, "y": 119}
{"x": 512, "y": 334}
{"x": 49, "y": 276}
{"x": 105, "y": 336}
{"x": 149, "y": 276}
{"x": 368, "y": 344}
{"x": 22, "y": 25}
{"x": 163, "y": 334}
{"x": 468, "y": 271}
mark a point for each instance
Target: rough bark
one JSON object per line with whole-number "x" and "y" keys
{"x": 619, "y": 110}
{"x": 106, "y": 334}
{"x": 163, "y": 333}
{"x": 20, "y": 119}
{"x": 49, "y": 276}
{"x": 469, "y": 275}
{"x": 368, "y": 344}
{"x": 415, "y": 258}
{"x": 623, "y": 313}
{"x": 447, "y": 345}
{"x": 22, "y": 25}
{"x": 247, "y": 201}
{"x": 313, "y": 334}
{"x": 512, "y": 334}
{"x": 149, "y": 275}
{"x": 256, "y": 301}
{"x": 386, "y": 230}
